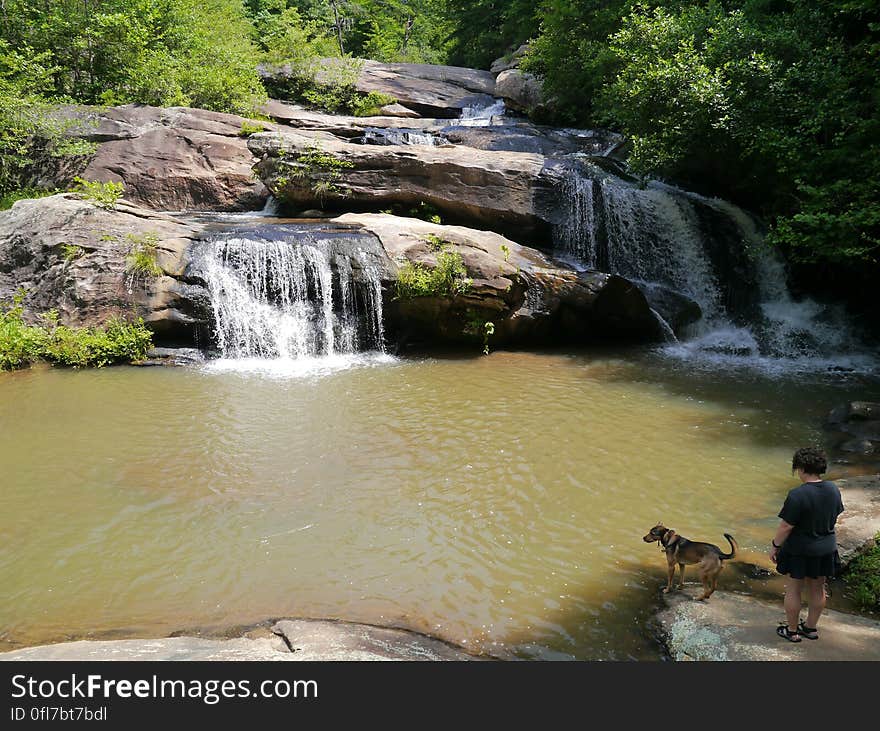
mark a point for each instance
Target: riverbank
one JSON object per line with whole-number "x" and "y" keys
{"x": 284, "y": 640}
{"x": 737, "y": 626}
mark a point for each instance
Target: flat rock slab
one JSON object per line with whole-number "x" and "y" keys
{"x": 738, "y": 627}
{"x": 860, "y": 521}
{"x": 325, "y": 640}
{"x": 296, "y": 639}
{"x": 167, "y": 648}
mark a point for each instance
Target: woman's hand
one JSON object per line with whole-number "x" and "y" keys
{"x": 774, "y": 552}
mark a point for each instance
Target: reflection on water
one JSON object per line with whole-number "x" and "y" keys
{"x": 498, "y": 502}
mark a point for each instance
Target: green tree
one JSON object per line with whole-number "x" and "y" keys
{"x": 191, "y": 52}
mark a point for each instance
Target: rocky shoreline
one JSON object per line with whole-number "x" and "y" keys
{"x": 737, "y": 626}
{"x": 284, "y": 640}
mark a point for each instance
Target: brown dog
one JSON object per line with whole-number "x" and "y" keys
{"x": 681, "y": 551}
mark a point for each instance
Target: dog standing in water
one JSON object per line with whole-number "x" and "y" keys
{"x": 679, "y": 550}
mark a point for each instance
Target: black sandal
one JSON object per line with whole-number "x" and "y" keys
{"x": 811, "y": 633}
{"x": 783, "y": 631}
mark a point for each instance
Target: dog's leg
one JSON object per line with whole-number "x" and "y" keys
{"x": 670, "y": 575}
{"x": 709, "y": 574}
{"x": 715, "y": 580}
{"x": 681, "y": 576}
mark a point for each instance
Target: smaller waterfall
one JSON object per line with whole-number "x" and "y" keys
{"x": 271, "y": 207}
{"x": 576, "y": 235}
{"x": 292, "y": 299}
{"x": 400, "y": 136}
{"x": 482, "y": 114}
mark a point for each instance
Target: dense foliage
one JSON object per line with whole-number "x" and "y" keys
{"x": 770, "y": 103}
{"x": 22, "y": 344}
{"x": 447, "y": 279}
{"x": 863, "y": 578}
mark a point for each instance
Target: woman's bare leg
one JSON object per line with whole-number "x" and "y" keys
{"x": 815, "y": 600}
{"x": 792, "y": 602}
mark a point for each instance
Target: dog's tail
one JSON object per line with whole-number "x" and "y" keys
{"x": 733, "y": 547}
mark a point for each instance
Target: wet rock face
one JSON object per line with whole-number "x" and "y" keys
{"x": 70, "y": 255}
{"x": 527, "y": 297}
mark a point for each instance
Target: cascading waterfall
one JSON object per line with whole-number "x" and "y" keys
{"x": 712, "y": 252}
{"x": 383, "y": 136}
{"x": 482, "y": 114}
{"x": 292, "y": 298}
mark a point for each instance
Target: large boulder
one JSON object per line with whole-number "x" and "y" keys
{"x": 528, "y": 297}
{"x": 853, "y": 432}
{"x": 429, "y": 90}
{"x": 859, "y": 523}
{"x": 521, "y": 90}
{"x": 510, "y": 60}
{"x": 70, "y": 255}
{"x": 513, "y": 193}
{"x": 172, "y": 158}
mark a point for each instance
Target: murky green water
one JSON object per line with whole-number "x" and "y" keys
{"x": 498, "y": 502}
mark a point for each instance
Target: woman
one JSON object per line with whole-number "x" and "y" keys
{"x": 805, "y": 546}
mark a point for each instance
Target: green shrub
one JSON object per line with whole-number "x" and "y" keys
{"x": 426, "y": 212}
{"x": 13, "y": 196}
{"x": 71, "y": 251}
{"x": 370, "y": 104}
{"x": 436, "y": 243}
{"x": 100, "y": 193}
{"x": 476, "y": 327}
{"x": 22, "y": 344}
{"x": 141, "y": 257}
{"x": 321, "y": 168}
{"x": 249, "y": 128}
{"x": 331, "y": 88}
{"x": 447, "y": 279}
{"x": 863, "y": 578}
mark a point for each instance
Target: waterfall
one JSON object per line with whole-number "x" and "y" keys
{"x": 576, "y": 234}
{"x": 483, "y": 113}
{"x": 713, "y": 253}
{"x": 401, "y": 136}
{"x": 292, "y": 296}
{"x": 271, "y": 207}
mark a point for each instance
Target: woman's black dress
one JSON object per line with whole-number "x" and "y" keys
{"x": 811, "y": 548}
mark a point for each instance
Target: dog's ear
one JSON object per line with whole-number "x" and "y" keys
{"x": 670, "y": 536}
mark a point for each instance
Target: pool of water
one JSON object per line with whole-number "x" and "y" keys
{"x": 497, "y": 502}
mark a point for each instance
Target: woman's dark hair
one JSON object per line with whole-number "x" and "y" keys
{"x": 811, "y": 460}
